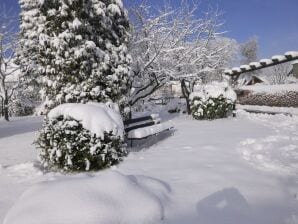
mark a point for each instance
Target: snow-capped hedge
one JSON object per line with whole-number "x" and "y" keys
{"x": 81, "y": 137}
{"x": 212, "y": 101}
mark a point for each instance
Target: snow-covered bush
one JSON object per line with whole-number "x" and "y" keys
{"x": 212, "y": 101}
{"x": 81, "y": 137}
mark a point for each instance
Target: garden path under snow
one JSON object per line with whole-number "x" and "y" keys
{"x": 237, "y": 170}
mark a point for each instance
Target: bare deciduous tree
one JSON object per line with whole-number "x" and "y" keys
{"x": 278, "y": 74}
{"x": 8, "y": 41}
{"x": 249, "y": 50}
{"x": 175, "y": 44}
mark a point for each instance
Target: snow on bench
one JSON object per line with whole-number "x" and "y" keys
{"x": 148, "y": 131}
{"x": 144, "y": 127}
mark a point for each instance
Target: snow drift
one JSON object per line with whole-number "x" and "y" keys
{"x": 105, "y": 198}
{"x": 95, "y": 117}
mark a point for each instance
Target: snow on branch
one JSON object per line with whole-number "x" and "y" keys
{"x": 172, "y": 43}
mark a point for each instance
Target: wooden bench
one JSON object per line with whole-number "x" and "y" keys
{"x": 144, "y": 127}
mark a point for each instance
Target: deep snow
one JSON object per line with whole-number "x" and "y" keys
{"x": 98, "y": 118}
{"x": 237, "y": 170}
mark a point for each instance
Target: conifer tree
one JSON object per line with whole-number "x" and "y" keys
{"x": 77, "y": 48}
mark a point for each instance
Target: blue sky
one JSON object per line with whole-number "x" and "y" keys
{"x": 274, "y": 22}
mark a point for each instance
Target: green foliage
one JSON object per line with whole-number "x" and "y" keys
{"x": 211, "y": 108}
{"x": 65, "y": 145}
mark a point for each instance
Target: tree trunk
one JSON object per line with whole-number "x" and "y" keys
{"x": 5, "y": 107}
{"x": 186, "y": 94}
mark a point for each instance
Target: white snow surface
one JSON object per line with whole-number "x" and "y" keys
{"x": 98, "y": 118}
{"x": 106, "y": 197}
{"x": 228, "y": 171}
{"x": 271, "y": 89}
{"x": 284, "y": 110}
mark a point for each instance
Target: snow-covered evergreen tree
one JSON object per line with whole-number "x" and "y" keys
{"x": 78, "y": 47}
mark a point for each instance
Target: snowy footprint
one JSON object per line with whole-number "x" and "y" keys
{"x": 273, "y": 153}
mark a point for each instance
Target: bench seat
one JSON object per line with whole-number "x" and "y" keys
{"x": 145, "y": 132}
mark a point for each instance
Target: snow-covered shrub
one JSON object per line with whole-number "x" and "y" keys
{"x": 212, "y": 101}
{"x": 81, "y": 137}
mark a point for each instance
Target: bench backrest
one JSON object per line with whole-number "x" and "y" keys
{"x": 141, "y": 122}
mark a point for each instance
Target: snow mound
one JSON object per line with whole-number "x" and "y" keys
{"x": 98, "y": 118}
{"x": 24, "y": 170}
{"x": 213, "y": 90}
{"x": 106, "y": 198}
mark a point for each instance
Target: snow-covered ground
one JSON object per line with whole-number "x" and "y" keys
{"x": 278, "y": 110}
{"x": 237, "y": 170}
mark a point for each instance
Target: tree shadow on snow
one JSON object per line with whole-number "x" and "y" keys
{"x": 225, "y": 207}
{"x": 21, "y": 126}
